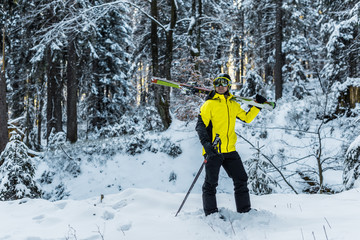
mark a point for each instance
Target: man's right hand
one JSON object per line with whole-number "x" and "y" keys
{"x": 209, "y": 150}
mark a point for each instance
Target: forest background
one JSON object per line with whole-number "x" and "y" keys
{"x": 76, "y": 70}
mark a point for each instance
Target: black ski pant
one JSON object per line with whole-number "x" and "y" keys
{"x": 233, "y": 166}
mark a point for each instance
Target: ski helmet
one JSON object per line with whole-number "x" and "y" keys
{"x": 221, "y": 78}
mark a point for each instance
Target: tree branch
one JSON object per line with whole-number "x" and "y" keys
{"x": 267, "y": 158}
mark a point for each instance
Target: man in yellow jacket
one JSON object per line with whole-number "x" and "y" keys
{"x": 218, "y": 116}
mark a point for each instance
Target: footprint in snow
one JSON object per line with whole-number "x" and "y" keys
{"x": 125, "y": 227}
{"x": 108, "y": 215}
{"x": 61, "y": 205}
{"x": 121, "y": 204}
{"x": 38, "y": 218}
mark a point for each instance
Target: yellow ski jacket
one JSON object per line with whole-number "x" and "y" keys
{"x": 218, "y": 116}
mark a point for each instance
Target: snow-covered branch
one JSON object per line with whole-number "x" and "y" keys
{"x": 79, "y": 20}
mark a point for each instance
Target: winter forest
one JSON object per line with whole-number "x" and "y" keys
{"x": 75, "y": 92}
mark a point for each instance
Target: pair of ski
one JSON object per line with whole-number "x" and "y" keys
{"x": 189, "y": 88}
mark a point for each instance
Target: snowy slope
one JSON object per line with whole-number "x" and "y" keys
{"x": 149, "y": 214}
{"x": 111, "y": 174}
{"x": 142, "y": 193}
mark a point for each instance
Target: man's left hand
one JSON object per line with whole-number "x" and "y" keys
{"x": 260, "y": 99}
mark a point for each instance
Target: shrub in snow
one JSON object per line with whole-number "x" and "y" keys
{"x": 260, "y": 182}
{"x": 253, "y": 85}
{"x": 56, "y": 194}
{"x": 186, "y": 108}
{"x": 137, "y": 145}
{"x": 299, "y": 118}
{"x": 61, "y": 158}
{"x": 170, "y": 148}
{"x": 56, "y": 139}
{"x": 142, "y": 119}
{"x": 17, "y": 172}
{"x": 150, "y": 119}
{"x": 311, "y": 184}
{"x": 352, "y": 165}
{"x": 47, "y": 177}
{"x": 172, "y": 177}
{"x": 126, "y": 126}
{"x": 300, "y": 91}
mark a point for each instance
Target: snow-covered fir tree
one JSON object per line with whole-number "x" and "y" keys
{"x": 253, "y": 85}
{"x": 260, "y": 182}
{"x": 17, "y": 172}
{"x": 109, "y": 92}
{"x": 352, "y": 165}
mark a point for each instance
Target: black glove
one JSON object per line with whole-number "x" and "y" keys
{"x": 209, "y": 149}
{"x": 260, "y": 99}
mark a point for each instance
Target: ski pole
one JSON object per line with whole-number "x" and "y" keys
{"x": 216, "y": 141}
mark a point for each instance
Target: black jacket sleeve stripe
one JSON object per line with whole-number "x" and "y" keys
{"x": 205, "y": 133}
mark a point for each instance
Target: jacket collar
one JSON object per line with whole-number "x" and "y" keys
{"x": 222, "y": 96}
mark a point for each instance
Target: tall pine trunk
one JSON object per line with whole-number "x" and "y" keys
{"x": 72, "y": 87}
{"x": 3, "y": 106}
{"x": 242, "y": 48}
{"x": 53, "y": 109}
{"x": 165, "y": 100}
{"x": 154, "y": 39}
{"x": 98, "y": 119}
{"x": 39, "y": 115}
{"x": 354, "y": 56}
{"x": 195, "y": 29}
{"x": 279, "y": 60}
{"x": 162, "y": 94}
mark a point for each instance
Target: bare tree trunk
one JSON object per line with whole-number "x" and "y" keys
{"x": 279, "y": 61}
{"x": 242, "y": 54}
{"x": 39, "y": 112}
{"x": 54, "y": 109}
{"x": 354, "y": 59}
{"x": 165, "y": 100}
{"x": 4, "y": 138}
{"x": 162, "y": 95}
{"x": 169, "y": 40}
{"x": 319, "y": 160}
{"x": 72, "y": 87}
{"x": 267, "y": 67}
{"x": 98, "y": 120}
{"x": 195, "y": 29}
{"x": 154, "y": 39}
{"x": 237, "y": 61}
{"x": 158, "y": 90}
{"x": 198, "y": 29}
{"x": 348, "y": 99}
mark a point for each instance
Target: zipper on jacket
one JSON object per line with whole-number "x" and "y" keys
{"x": 227, "y": 134}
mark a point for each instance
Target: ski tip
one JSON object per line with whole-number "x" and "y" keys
{"x": 273, "y": 105}
{"x": 154, "y": 80}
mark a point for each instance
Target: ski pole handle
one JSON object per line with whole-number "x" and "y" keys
{"x": 217, "y": 141}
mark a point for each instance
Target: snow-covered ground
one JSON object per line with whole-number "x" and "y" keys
{"x": 137, "y": 213}
{"x": 142, "y": 193}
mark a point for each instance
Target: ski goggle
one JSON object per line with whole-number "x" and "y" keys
{"x": 221, "y": 81}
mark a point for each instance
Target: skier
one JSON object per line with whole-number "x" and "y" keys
{"x": 218, "y": 116}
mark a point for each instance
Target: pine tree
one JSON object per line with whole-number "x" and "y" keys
{"x": 17, "y": 172}
{"x": 259, "y": 38}
{"x": 109, "y": 93}
{"x": 303, "y": 48}
{"x": 341, "y": 32}
{"x": 260, "y": 182}
{"x": 351, "y": 173}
